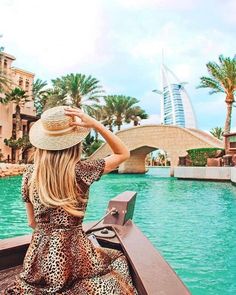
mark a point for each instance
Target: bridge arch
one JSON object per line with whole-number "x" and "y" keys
{"x": 141, "y": 140}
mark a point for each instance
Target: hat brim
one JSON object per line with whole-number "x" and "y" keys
{"x": 42, "y": 140}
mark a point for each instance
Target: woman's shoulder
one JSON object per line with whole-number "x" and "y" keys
{"x": 90, "y": 164}
{"x": 89, "y": 170}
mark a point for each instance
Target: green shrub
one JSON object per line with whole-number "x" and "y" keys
{"x": 199, "y": 156}
{"x": 94, "y": 146}
{"x": 20, "y": 143}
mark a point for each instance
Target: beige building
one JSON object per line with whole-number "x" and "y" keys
{"x": 24, "y": 80}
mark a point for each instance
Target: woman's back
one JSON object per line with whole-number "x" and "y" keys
{"x": 60, "y": 258}
{"x": 86, "y": 173}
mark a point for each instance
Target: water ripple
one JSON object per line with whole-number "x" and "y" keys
{"x": 191, "y": 223}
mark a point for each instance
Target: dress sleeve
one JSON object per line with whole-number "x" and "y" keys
{"x": 90, "y": 170}
{"x": 24, "y": 184}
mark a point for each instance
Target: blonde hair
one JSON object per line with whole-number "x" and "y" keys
{"x": 54, "y": 178}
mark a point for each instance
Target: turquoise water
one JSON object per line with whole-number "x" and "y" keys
{"x": 191, "y": 223}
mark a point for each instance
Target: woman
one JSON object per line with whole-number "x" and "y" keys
{"x": 60, "y": 258}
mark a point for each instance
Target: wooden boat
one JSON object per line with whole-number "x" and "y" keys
{"x": 151, "y": 274}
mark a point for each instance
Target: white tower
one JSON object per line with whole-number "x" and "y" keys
{"x": 176, "y": 106}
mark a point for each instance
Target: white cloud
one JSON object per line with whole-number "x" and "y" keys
{"x": 150, "y": 102}
{"x": 183, "y": 71}
{"x": 159, "y": 4}
{"x": 177, "y": 41}
{"x": 53, "y": 37}
{"x": 213, "y": 112}
{"x": 214, "y": 106}
{"x": 186, "y": 52}
{"x": 153, "y": 119}
{"x": 228, "y": 11}
{"x": 55, "y": 34}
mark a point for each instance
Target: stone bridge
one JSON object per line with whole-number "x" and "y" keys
{"x": 142, "y": 140}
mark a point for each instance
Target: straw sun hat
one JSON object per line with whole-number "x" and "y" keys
{"x": 53, "y": 132}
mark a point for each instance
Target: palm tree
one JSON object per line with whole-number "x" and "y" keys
{"x": 136, "y": 115}
{"x": 19, "y": 97}
{"x": 116, "y": 108}
{"x": 217, "y": 132}
{"x": 90, "y": 145}
{"x": 51, "y": 99}
{"x": 119, "y": 109}
{"x": 4, "y": 82}
{"x": 222, "y": 79}
{"x": 95, "y": 111}
{"x": 162, "y": 158}
{"x": 39, "y": 94}
{"x": 79, "y": 88}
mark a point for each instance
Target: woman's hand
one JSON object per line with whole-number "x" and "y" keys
{"x": 120, "y": 151}
{"x": 85, "y": 120}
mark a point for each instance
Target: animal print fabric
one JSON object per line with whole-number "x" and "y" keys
{"x": 61, "y": 259}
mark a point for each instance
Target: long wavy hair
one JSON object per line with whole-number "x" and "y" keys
{"x": 54, "y": 179}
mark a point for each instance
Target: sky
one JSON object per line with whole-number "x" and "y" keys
{"x": 120, "y": 42}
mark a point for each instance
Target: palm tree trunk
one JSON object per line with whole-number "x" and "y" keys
{"x": 228, "y": 117}
{"x": 18, "y": 121}
{"x": 227, "y": 123}
{"x": 18, "y": 129}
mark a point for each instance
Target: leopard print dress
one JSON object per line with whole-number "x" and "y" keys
{"x": 61, "y": 259}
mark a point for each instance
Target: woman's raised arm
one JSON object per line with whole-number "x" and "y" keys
{"x": 120, "y": 151}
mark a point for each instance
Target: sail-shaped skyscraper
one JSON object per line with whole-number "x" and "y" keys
{"x": 176, "y": 106}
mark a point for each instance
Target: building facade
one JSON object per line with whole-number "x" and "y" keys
{"x": 176, "y": 107}
{"x": 24, "y": 80}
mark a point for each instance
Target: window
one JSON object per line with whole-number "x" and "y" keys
{"x": 20, "y": 81}
{"x": 27, "y": 84}
{"x": 24, "y": 129}
{"x": 5, "y": 64}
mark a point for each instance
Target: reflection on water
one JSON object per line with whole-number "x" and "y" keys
{"x": 192, "y": 223}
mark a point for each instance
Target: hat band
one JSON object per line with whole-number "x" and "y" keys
{"x": 59, "y": 132}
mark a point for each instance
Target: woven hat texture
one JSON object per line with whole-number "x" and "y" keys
{"x": 53, "y": 132}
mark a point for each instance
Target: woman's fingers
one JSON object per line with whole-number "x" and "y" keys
{"x": 77, "y": 124}
{"x": 73, "y": 113}
{"x": 84, "y": 119}
{"x": 73, "y": 110}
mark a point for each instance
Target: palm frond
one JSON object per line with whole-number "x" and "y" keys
{"x": 222, "y": 78}
{"x": 207, "y": 82}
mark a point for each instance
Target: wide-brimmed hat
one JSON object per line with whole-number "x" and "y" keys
{"x": 53, "y": 132}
